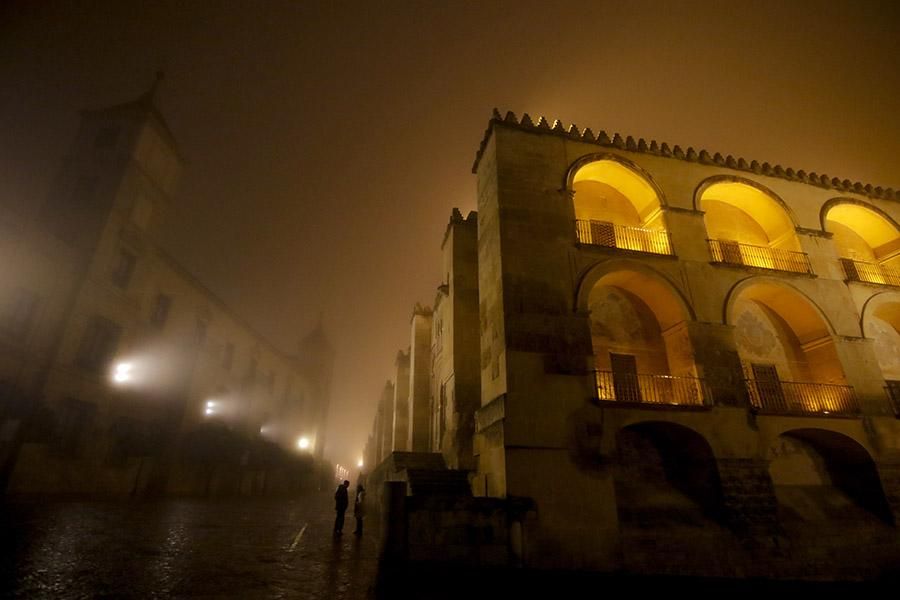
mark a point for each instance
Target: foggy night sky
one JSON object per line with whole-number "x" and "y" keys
{"x": 327, "y": 142}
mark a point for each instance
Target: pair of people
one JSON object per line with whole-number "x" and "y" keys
{"x": 342, "y": 501}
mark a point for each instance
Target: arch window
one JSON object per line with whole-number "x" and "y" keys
{"x": 748, "y": 226}
{"x": 640, "y": 342}
{"x": 617, "y": 207}
{"x": 788, "y": 354}
{"x": 867, "y": 242}
{"x": 881, "y": 323}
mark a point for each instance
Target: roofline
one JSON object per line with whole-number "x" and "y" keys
{"x": 215, "y": 300}
{"x": 690, "y": 155}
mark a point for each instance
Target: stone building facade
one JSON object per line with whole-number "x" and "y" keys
{"x": 688, "y": 361}
{"x": 112, "y": 355}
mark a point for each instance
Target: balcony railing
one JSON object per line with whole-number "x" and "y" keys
{"x": 857, "y": 270}
{"x": 893, "y": 391}
{"x": 651, "y": 389}
{"x": 734, "y": 253}
{"x": 790, "y": 397}
{"x": 610, "y": 235}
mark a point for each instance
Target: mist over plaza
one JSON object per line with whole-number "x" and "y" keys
{"x": 227, "y": 224}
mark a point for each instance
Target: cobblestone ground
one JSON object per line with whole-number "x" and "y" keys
{"x": 183, "y": 548}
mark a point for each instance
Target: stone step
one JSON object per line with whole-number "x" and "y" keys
{"x": 444, "y": 482}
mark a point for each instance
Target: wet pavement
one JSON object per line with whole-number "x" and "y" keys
{"x": 252, "y": 548}
{"x": 182, "y": 548}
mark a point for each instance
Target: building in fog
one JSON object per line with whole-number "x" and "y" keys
{"x": 686, "y": 362}
{"x": 114, "y": 360}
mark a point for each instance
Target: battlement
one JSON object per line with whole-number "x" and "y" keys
{"x": 705, "y": 157}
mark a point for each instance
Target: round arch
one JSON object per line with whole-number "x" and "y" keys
{"x": 607, "y": 190}
{"x": 862, "y": 232}
{"x": 768, "y": 288}
{"x": 605, "y": 268}
{"x": 581, "y": 162}
{"x": 805, "y": 463}
{"x": 880, "y": 322}
{"x": 834, "y": 202}
{"x": 787, "y": 348}
{"x": 707, "y": 183}
{"x": 664, "y": 454}
{"x": 743, "y": 211}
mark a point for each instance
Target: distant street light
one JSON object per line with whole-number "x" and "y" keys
{"x": 122, "y": 373}
{"x": 360, "y": 463}
{"x": 303, "y": 443}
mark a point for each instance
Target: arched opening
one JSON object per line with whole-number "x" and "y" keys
{"x": 748, "y": 225}
{"x": 787, "y": 351}
{"x": 640, "y": 340}
{"x": 881, "y": 323}
{"x": 617, "y": 207}
{"x": 822, "y": 476}
{"x": 666, "y": 473}
{"x": 867, "y": 241}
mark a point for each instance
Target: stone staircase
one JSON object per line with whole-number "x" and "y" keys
{"x": 426, "y": 474}
{"x": 444, "y": 482}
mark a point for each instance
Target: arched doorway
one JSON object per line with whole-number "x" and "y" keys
{"x": 748, "y": 225}
{"x": 640, "y": 340}
{"x": 617, "y": 206}
{"x": 867, "y": 241}
{"x": 666, "y": 472}
{"x": 787, "y": 351}
{"x": 823, "y": 476}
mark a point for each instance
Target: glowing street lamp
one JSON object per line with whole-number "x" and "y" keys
{"x": 303, "y": 443}
{"x": 122, "y": 373}
{"x": 360, "y": 463}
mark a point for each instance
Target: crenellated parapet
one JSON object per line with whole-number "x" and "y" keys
{"x": 663, "y": 149}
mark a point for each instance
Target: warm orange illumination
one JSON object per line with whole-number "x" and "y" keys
{"x": 618, "y": 182}
{"x": 868, "y": 244}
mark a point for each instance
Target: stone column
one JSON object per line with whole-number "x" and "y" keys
{"x": 386, "y": 410}
{"x": 400, "y": 418}
{"x": 718, "y": 363}
{"x": 420, "y": 380}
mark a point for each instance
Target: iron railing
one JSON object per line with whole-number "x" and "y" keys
{"x": 791, "y": 397}
{"x": 651, "y": 389}
{"x": 610, "y": 235}
{"x": 857, "y": 270}
{"x": 734, "y": 253}
{"x": 893, "y": 391}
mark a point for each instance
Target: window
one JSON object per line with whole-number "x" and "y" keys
{"x": 161, "y": 310}
{"x": 228, "y": 356}
{"x": 98, "y": 345}
{"x": 123, "y": 268}
{"x": 18, "y": 312}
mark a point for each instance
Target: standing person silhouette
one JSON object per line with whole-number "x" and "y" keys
{"x": 341, "y": 500}
{"x": 359, "y": 508}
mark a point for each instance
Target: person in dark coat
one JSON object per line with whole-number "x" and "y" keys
{"x": 359, "y": 508}
{"x": 341, "y": 500}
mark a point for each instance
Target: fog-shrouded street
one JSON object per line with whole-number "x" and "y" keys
{"x": 183, "y": 548}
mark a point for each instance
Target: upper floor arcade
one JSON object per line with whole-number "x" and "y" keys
{"x": 691, "y": 228}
